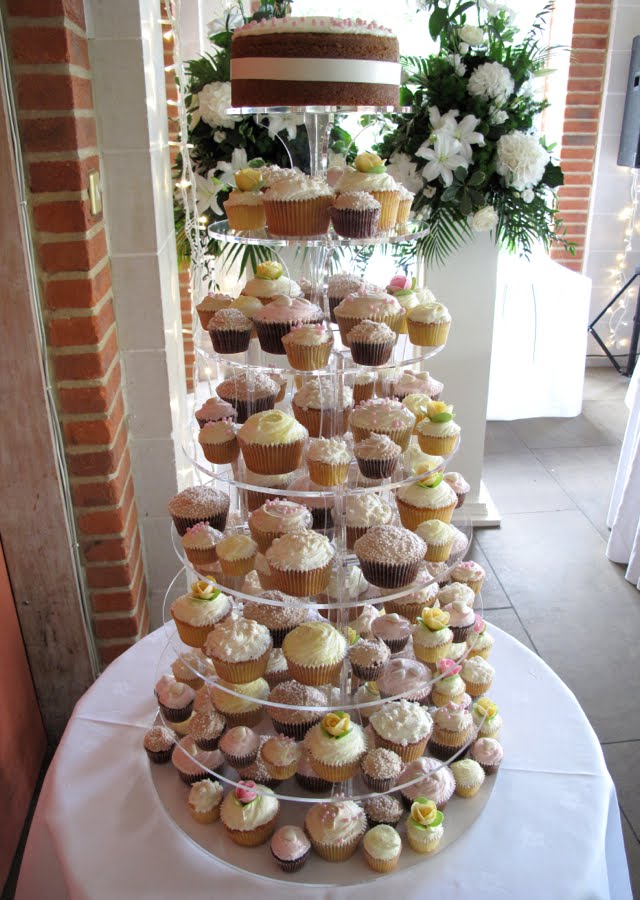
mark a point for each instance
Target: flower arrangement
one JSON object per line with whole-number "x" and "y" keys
{"x": 469, "y": 148}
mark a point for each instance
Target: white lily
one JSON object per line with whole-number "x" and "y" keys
{"x": 284, "y": 122}
{"x": 444, "y": 158}
{"x": 458, "y": 66}
{"x": 224, "y": 171}
{"x": 439, "y": 122}
{"x": 207, "y": 194}
{"x": 403, "y": 169}
{"x": 465, "y": 134}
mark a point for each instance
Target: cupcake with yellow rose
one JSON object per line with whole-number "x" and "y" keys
{"x": 269, "y": 281}
{"x": 197, "y": 613}
{"x": 272, "y": 442}
{"x": 429, "y": 498}
{"x": 437, "y": 432}
{"x": 369, "y": 174}
{"x": 244, "y": 206}
{"x": 424, "y": 826}
{"x": 335, "y": 747}
{"x": 432, "y": 639}
{"x": 487, "y": 718}
{"x": 428, "y": 324}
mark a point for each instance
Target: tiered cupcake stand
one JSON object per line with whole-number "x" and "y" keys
{"x": 317, "y": 253}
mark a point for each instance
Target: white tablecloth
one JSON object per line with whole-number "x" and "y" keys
{"x": 624, "y": 510}
{"x": 550, "y": 829}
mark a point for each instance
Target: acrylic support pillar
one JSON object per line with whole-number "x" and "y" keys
{"x": 466, "y": 284}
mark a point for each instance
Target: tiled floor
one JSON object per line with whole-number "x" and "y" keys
{"x": 548, "y": 576}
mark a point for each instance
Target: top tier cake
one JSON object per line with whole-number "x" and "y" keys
{"x": 314, "y": 61}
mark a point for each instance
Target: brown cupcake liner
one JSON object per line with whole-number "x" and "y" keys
{"x": 333, "y": 773}
{"x": 274, "y": 678}
{"x": 346, "y": 323}
{"x": 247, "y": 407}
{"x": 237, "y": 567}
{"x": 377, "y": 468}
{"x": 438, "y": 552}
{"x": 379, "y": 785}
{"x": 315, "y": 676}
{"x": 217, "y": 520}
{"x": 192, "y": 635}
{"x": 270, "y": 336}
{"x": 295, "y": 730}
{"x": 395, "y": 644}
{"x": 208, "y": 743}
{"x": 355, "y": 223}
{"x": 231, "y": 340}
{"x": 399, "y": 436}
{"x": 254, "y": 837}
{"x": 199, "y": 557}
{"x": 333, "y": 302}
{"x": 413, "y": 516}
{"x": 327, "y": 474}
{"x": 353, "y": 533}
{"x": 256, "y": 499}
{"x": 461, "y": 632}
{"x": 279, "y": 634}
{"x": 160, "y": 757}
{"x": 389, "y": 201}
{"x": 322, "y": 518}
{"x": 298, "y": 218}
{"x": 368, "y": 354}
{"x": 292, "y": 865}
{"x": 387, "y": 575}
{"x": 315, "y": 785}
{"x": 250, "y": 718}
{"x": 221, "y": 454}
{"x": 272, "y": 459}
{"x": 193, "y": 778}
{"x": 336, "y": 852}
{"x": 477, "y": 689}
{"x": 368, "y": 673}
{"x": 423, "y": 334}
{"x": 245, "y": 218}
{"x": 302, "y": 583}
{"x": 308, "y": 358}
{"x": 242, "y": 672}
{"x": 444, "y": 752}
{"x": 486, "y": 768}
{"x": 240, "y": 762}
{"x": 380, "y": 865}
{"x": 437, "y": 446}
{"x": 322, "y": 422}
{"x": 406, "y": 752}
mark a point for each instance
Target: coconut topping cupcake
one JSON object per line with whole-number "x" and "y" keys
{"x": 402, "y": 726}
{"x": 248, "y": 393}
{"x": 281, "y": 619}
{"x": 230, "y": 331}
{"x": 335, "y": 828}
{"x": 308, "y": 347}
{"x": 381, "y": 769}
{"x": 477, "y": 675}
{"x": 355, "y": 214}
{"x": 159, "y": 743}
{"x": 371, "y": 343}
{"x": 298, "y": 708}
{"x": 368, "y": 658}
{"x": 201, "y": 503}
{"x": 239, "y": 649}
{"x": 452, "y": 593}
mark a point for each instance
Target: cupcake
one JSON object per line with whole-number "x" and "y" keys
{"x": 428, "y": 325}
{"x": 429, "y": 498}
{"x": 368, "y": 699}
{"x": 210, "y": 305}
{"x": 406, "y": 679}
{"x": 196, "y": 614}
{"x": 236, "y": 554}
{"x": 424, "y": 828}
{"x": 280, "y": 619}
{"x": 219, "y": 441}
{"x": 433, "y": 778}
{"x": 460, "y": 544}
{"x": 459, "y": 485}
{"x": 363, "y": 511}
{"x": 205, "y": 728}
{"x": 213, "y": 410}
{"x": 204, "y": 801}
{"x": 432, "y": 640}
{"x": 452, "y": 593}
{"x": 230, "y": 331}
{"x": 201, "y": 503}
{"x": 383, "y": 416}
{"x": 158, "y": 744}
{"x": 335, "y": 747}
{"x": 248, "y": 306}
{"x": 240, "y": 704}
{"x": 269, "y": 282}
{"x": 480, "y": 642}
{"x": 317, "y": 500}
{"x": 469, "y": 776}
{"x": 403, "y": 289}
{"x": 239, "y": 746}
{"x": 301, "y": 563}
{"x": 470, "y": 573}
{"x": 371, "y": 305}
{"x": 346, "y": 586}
{"x": 381, "y": 769}
{"x": 363, "y": 623}
{"x": 249, "y": 814}
{"x": 273, "y": 483}
{"x": 402, "y": 384}
{"x": 278, "y": 318}
{"x": 368, "y": 658}
{"x": 335, "y": 828}
{"x": 323, "y": 407}
{"x": 449, "y": 686}
{"x": 194, "y": 764}
{"x": 199, "y": 544}
{"x": 438, "y": 536}
{"x": 477, "y": 675}
{"x": 362, "y": 384}
{"x": 308, "y": 779}
{"x": 314, "y": 652}
{"x": 453, "y": 729}
{"x": 381, "y": 847}
{"x": 383, "y": 810}
{"x": 248, "y": 393}
{"x": 275, "y": 518}
{"x": 377, "y": 456}
{"x": 263, "y": 573}
{"x": 418, "y": 404}
{"x": 418, "y": 463}
{"x": 258, "y": 771}
{"x": 308, "y": 347}
{"x": 281, "y": 756}
{"x": 402, "y": 726}
{"x": 306, "y": 287}
{"x": 328, "y": 461}
{"x": 338, "y": 286}
{"x": 489, "y": 753}
{"x": 290, "y": 847}
{"x": 239, "y": 649}
{"x": 298, "y": 207}
{"x": 277, "y": 669}
{"x": 404, "y": 206}
{"x": 461, "y": 619}
{"x": 393, "y": 629}
{"x": 389, "y": 556}
{"x": 355, "y": 214}
{"x": 272, "y": 442}
{"x": 245, "y": 207}
{"x": 410, "y": 604}
{"x": 369, "y": 174}
{"x": 294, "y": 708}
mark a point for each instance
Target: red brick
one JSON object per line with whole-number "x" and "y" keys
{"x": 64, "y": 216}
{"x": 572, "y": 178}
{"x": 575, "y": 265}
{"x": 124, "y": 626}
{"x": 573, "y": 126}
{"x": 59, "y": 134}
{"x": 42, "y": 45}
{"x": 582, "y": 153}
{"x": 77, "y": 293}
{"x": 584, "y": 26}
{"x": 105, "y": 491}
{"x": 93, "y": 399}
{"x": 113, "y": 549}
{"x": 119, "y": 574}
{"x": 73, "y": 331}
{"x": 578, "y": 140}
{"x": 107, "y": 521}
{"x": 581, "y": 112}
{"x": 97, "y": 432}
{"x": 73, "y": 256}
{"x": 87, "y": 365}
{"x": 579, "y": 42}
{"x": 45, "y": 9}
{"x": 45, "y": 91}
{"x": 577, "y": 166}
{"x": 65, "y": 175}
{"x": 98, "y": 462}
{"x": 590, "y": 12}
{"x": 120, "y": 601}
{"x": 584, "y": 98}
{"x": 575, "y": 217}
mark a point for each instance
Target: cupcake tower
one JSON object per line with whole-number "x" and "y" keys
{"x": 328, "y": 647}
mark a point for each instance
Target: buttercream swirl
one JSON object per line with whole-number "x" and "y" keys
{"x": 272, "y": 427}
{"x": 314, "y": 643}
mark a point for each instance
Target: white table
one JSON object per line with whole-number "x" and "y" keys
{"x": 551, "y": 828}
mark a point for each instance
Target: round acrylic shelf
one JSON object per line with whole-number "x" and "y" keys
{"x": 314, "y": 110}
{"x": 409, "y": 231}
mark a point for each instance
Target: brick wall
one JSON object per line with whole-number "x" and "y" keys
{"x": 584, "y": 100}
{"x": 52, "y": 83}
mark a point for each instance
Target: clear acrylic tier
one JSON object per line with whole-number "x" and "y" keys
{"x": 411, "y": 230}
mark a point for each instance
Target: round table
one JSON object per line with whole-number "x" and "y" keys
{"x": 551, "y": 827}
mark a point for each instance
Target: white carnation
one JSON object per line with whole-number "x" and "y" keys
{"x": 404, "y": 170}
{"x": 497, "y": 116}
{"x": 527, "y": 195}
{"x": 491, "y": 81}
{"x": 472, "y": 35}
{"x": 213, "y": 100}
{"x": 521, "y": 160}
{"x": 484, "y": 219}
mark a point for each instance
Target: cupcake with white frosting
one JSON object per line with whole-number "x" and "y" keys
{"x": 486, "y": 718}
{"x": 275, "y": 518}
{"x": 315, "y": 652}
{"x": 244, "y": 206}
{"x": 272, "y": 442}
{"x": 469, "y": 776}
{"x": 404, "y": 206}
{"x": 371, "y": 304}
{"x": 301, "y": 563}
{"x": 364, "y": 511}
{"x": 432, "y": 639}
{"x": 321, "y": 408}
{"x": 369, "y": 174}
{"x": 308, "y": 347}
{"x": 210, "y": 304}
{"x": 438, "y": 536}
{"x": 424, "y": 592}
{"x": 453, "y": 728}
{"x": 437, "y": 432}
{"x": 477, "y": 675}
{"x": 328, "y": 461}
{"x": 429, "y": 498}
{"x": 335, "y": 747}
{"x": 269, "y": 281}
{"x": 377, "y": 456}
{"x": 236, "y": 554}
{"x": 402, "y": 726}
{"x": 428, "y": 325}
{"x": 199, "y": 543}
{"x": 381, "y": 848}
{"x": 362, "y": 384}
{"x": 424, "y": 828}
{"x": 470, "y": 573}
{"x": 335, "y": 828}
{"x": 219, "y": 441}
{"x": 298, "y": 207}
{"x": 239, "y": 649}
{"x": 175, "y": 698}
{"x": 249, "y": 814}
{"x": 383, "y": 416}
{"x": 281, "y": 755}
{"x": 204, "y": 801}
{"x": 347, "y": 585}
{"x": 240, "y": 704}
{"x": 197, "y": 613}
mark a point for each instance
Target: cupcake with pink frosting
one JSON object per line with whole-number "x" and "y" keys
{"x": 290, "y": 847}
{"x": 199, "y": 544}
{"x": 375, "y": 305}
{"x": 278, "y": 318}
{"x": 459, "y": 485}
{"x": 489, "y": 753}
{"x": 470, "y": 573}
{"x": 461, "y": 620}
{"x": 453, "y": 728}
{"x": 239, "y": 746}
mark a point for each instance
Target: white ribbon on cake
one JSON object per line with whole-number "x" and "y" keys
{"x": 361, "y": 71}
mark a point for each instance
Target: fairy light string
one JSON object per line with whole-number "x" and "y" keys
{"x": 619, "y": 322}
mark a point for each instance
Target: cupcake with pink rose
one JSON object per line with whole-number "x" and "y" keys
{"x": 402, "y": 287}
{"x": 249, "y": 814}
{"x": 480, "y": 642}
{"x": 448, "y": 685}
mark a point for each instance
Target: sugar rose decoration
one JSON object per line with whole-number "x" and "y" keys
{"x": 434, "y": 619}
{"x": 337, "y": 724}
{"x": 437, "y": 411}
{"x": 448, "y": 668}
{"x": 424, "y": 812}
{"x": 245, "y": 792}
{"x": 270, "y": 271}
{"x": 487, "y": 707}
{"x": 369, "y": 162}
{"x": 248, "y": 180}
{"x": 204, "y": 590}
